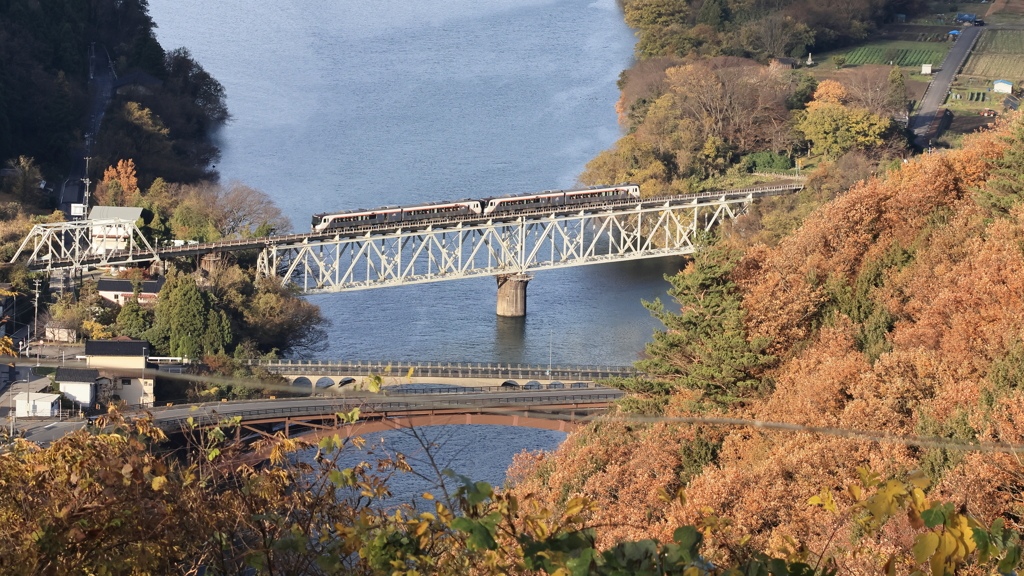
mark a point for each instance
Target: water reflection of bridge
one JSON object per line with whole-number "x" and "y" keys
{"x": 471, "y": 374}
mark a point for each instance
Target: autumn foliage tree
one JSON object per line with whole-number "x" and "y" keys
{"x": 895, "y": 309}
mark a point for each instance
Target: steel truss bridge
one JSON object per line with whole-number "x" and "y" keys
{"x": 426, "y": 250}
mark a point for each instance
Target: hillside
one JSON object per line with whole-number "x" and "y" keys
{"x": 896, "y": 308}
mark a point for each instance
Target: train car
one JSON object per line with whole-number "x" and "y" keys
{"x": 514, "y": 202}
{"x": 353, "y": 218}
{"x": 495, "y": 205}
{"x": 601, "y": 194}
{"x": 440, "y": 210}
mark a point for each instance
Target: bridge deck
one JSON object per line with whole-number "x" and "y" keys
{"x": 59, "y": 259}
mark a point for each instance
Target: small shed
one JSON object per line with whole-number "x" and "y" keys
{"x": 926, "y": 69}
{"x": 1002, "y": 86}
{"x": 61, "y": 332}
{"x": 1011, "y": 102}
{"x": 36, "y": 405}
{"x": 969, "y": 19}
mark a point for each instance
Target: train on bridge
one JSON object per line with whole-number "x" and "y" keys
{"x": 499, "y": 205}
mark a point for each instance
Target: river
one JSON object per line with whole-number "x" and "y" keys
{"x": 343, "y": 104}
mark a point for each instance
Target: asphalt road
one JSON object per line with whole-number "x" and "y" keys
{"x": 100, "y": 85}
{"x": 169, "y": 417}
{"x": 941, "y": 83}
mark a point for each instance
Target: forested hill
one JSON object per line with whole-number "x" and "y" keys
{"x": 756, "y": 28}
{"x": 896, "y": 309}
{"x": 44, "y": 99}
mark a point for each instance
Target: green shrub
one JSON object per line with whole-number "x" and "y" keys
{"x": 766, "y": 160}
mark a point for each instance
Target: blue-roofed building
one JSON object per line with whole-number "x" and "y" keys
{"x": 1002, "y": 86}
{"x": 966, "y": 18}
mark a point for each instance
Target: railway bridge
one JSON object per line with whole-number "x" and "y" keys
{"x": 508, "y": 246}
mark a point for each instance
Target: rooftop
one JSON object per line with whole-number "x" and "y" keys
{"x": 76, "y": 375}
{"x": 117, "y": 347}
{"x": 105, "y": 212}
{"x": 122, "y": 285}
{"x": 37, "y": 396}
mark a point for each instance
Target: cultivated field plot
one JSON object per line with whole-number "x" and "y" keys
{"x": 998, "y": 54}
{"x": 900, "y": 57}
{"x": 1005, "y": 66}
{"x": 1001, "y": 42}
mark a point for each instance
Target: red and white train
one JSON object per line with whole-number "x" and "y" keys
{"x": 500, "y": 205}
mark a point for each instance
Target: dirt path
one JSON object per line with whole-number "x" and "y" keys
{"x": 996, "y": 7}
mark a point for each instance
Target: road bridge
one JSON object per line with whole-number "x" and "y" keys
{"x": 315, "y": 417}
{"x": 465, "y": 374}
{"x": 509, "y": 246}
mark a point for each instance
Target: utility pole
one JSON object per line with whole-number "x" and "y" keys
{"x": 85, "y": 199}
{"x": 35, "y": 322}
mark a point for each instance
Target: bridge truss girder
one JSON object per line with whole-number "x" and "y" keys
{"x": 81, "y": 244}
{"x": 510, "y": 246}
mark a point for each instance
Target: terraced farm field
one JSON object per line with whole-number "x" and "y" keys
{"x": 900, "y": 57}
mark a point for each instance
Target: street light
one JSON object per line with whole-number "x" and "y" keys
{"x": 12, "y": 415}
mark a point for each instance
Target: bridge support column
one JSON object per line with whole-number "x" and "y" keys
{"x": 512, "y": 294}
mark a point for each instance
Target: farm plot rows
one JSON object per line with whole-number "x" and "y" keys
{"x": 1007, "y": 66}
{"x": 1001, "y": 42}
{"x": 879, "y": 55}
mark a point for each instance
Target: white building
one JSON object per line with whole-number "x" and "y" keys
{"x": 123, "y": 362}
{"x": 36, "y": 404}
{"x": 78, "y": 385}
{"x": 120, "y": 291}
{"x": 108, "y": 236}
{"x": 1002, "y": 86}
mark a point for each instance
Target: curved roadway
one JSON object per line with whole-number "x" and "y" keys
{"x": 174, "y": 417}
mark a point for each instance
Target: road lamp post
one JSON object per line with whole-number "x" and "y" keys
{"x": 12, "y": 415}
{"x": 551, "y": 336}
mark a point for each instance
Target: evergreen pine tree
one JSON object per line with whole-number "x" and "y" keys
{"x": 713, "y": 14}
{"x": 1006, "y": 188}
{"x": 188, "y": 320}
{"x": 133, "y": 320}
{"x": 896, "y": 101}
{"x": 704, "y": 347}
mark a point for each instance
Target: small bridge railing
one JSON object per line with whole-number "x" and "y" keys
{"x": 441, "y": 369}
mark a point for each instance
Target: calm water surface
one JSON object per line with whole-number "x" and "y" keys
{"x": 343, "y": 104}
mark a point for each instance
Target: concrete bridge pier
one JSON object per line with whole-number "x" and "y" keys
{"x": 512, "y": 294}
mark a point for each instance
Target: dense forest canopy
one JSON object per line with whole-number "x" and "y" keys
{"x": 44, "y": 97}
{"x": 756, "y": 28}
